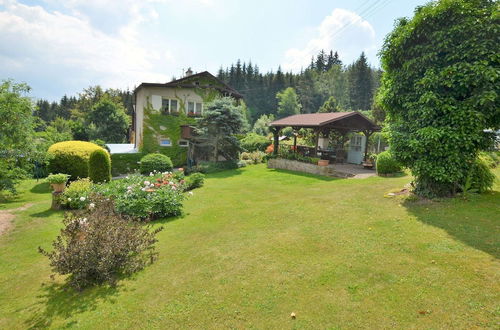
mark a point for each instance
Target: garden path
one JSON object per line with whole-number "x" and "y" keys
{"x": 6, "y": 217}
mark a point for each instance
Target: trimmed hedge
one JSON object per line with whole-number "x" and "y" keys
{"x": 386, "y": 164}
{"x": 125, "y": 163}
{"x": 155, "y": 162}
{"x": 71, "y": 157}
{"x": 100, "y": 166}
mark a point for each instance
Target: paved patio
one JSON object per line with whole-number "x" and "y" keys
{"x": 354, "y": 171}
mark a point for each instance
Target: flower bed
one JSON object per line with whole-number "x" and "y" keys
{"x": 140, "y": 197}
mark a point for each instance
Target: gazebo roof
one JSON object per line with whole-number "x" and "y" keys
{"x": 351, "y": 120}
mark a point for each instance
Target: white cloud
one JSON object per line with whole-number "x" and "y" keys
{"x": 343, "y": 31}
{"x": 68, "y": 52}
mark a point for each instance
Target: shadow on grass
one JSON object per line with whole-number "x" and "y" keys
{"x": 393, "y": 175}
{"x": 62, "y": 301}
{"x": 473, "y": 222}
{"x": 306, "y": 175}
{"x": 46, "y": 213}
{"x": 41, "y": 188}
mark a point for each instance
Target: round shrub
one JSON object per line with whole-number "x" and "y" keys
{"x": 71, "y": 157}
{"x": 195, "y": 180}
{"x": 155, "y": 162}
{"x": 100, "y": 166}
{"x": 386, "y": 164}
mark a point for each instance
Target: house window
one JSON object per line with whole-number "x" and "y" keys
{"x": 173, "y": 106}
{"x": 165, "y": 142}
{"x": 165, "y": 105}
{"x": 183, "y": 143}
{"x": 190, "y": 107}
{"x": 199, "y": 108}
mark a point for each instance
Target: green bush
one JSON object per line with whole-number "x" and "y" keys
{"x": 76, "y": 195}
{"x": 195, "y": 180}
{"x": 125, "y": 163}
{"x": 100, "y": 166}
{"x": 71, "y": 157}
{"x": 386, "y": 164}
{"x": 98, "y": 246}
{"x": 155, "y": 162}
{"x": 255, "y": 157}
{"x": 254, "y": 142}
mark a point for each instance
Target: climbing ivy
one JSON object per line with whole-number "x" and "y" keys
{"x": 441, "y": 90}
{"x": 157, "y": 125}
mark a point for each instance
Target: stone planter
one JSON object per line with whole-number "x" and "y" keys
{"x": 323, "y": 162}
{"x": 293, "y": 165}
{"x": 58, "y": 187}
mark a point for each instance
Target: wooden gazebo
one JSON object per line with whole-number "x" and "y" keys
{"x": 323, "y": 124}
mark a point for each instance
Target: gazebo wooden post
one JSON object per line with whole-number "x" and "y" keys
{"x": 295, "y": 132}
{"x": 276, "y": 136}
{"x": 367, "y": 134}
{"x": 318, "y": 132}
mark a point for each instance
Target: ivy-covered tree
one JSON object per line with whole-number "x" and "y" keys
{"x": 441, "y": 90}
{"x": 217, "y": 128}
{"x": 288, "y": 102}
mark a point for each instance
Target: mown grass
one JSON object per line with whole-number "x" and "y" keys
{"x": 255, "y": 245}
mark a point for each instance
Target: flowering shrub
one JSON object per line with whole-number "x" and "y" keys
{"x": 76, "y": 195}
{"x": 146, "y": 197}
{"x": 255, "y": 157}
{"x": 98, "y": 246}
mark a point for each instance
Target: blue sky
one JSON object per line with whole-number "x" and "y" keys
{"x": 62, "y": 46}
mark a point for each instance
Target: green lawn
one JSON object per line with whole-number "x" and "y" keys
{"x": 255, "y": 245}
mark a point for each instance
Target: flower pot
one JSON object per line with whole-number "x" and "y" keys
{"x": 323, "y": 162}
{"x": 58, "y": 187}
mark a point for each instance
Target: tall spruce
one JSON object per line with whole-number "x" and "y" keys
{"x": 360, "y": 84}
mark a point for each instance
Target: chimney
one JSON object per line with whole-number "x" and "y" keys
{"x": 189, "y": 72}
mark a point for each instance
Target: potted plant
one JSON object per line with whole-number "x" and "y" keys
{"x": 58, "y": 181}
{"x": 324, "y": 161}
{"x": 369, "y": 163}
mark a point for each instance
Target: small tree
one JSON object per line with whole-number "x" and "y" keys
{"x": 441, "y": 90}
{"x": 330, "y": 105}
{"x": 217, "y": 128}
{"x": 261, "y": 126}
{"x": 288, "y": 102}
{"x": 16, "y": 132}
{"x": 108, "y": 121}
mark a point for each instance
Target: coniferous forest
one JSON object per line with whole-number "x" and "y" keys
{"x": 326, "y": 85}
